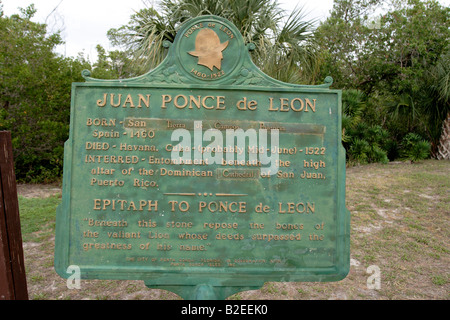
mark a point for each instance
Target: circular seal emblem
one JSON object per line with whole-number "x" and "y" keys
{"x": 209, "y": 49}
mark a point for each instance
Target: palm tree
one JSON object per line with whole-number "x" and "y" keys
{"x": 438, "y": 107}
{"x": 284, "y": 47}
{"x": 443, "y": 152}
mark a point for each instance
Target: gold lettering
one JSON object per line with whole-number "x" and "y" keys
{"x": 125, "y": 205}
{"x": 301, "y": 104}
{"x": 217, "y": 225}
{"x": 129, "y": 100}
{"x": 97, "y": 203}
{"x": 284, "y": 103}
{"x": 252, "y": 105}
{"x": 271, "y": 108}
{"x": 236, "y": 236}
{"x": 299, "y": 207}
{"x": 102, "y": 103}
{"x": 182, "y": 101}
{"x": 242, "y": 104}
{"x": 144, "y": 100}
{"x": 220, "y": 103}
{"x": 296, "y": 105}
{"x": 184, "y": 104}
{"x": 97, "y": 122}
{"x": 196, "y": 102}
{"x": 116, "y": 105}
{"x": 223, "y": 206}
{"x": 308, "y": 103}
{"x": 166, "y": 99}
{"x": 204, "y": 104}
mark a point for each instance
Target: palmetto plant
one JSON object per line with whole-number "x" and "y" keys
{"x": 283, "y": 43}
{"x": 415, "y": 148}
{"x": 364, "y": 143}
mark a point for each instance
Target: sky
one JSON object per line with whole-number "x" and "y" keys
{"x": 84, "y": 23}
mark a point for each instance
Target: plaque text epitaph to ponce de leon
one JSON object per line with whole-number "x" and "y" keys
{"x": 204, "y": 173}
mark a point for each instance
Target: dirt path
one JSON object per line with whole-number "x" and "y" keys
{"x": 37, "y": 190}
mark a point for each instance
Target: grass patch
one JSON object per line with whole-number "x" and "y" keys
{"x": 439, "y": 280}
{"x": 400, "y": 222}
{"x": 38, "y": 215}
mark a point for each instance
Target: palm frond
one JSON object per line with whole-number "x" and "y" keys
{"x": 283, "y": 46}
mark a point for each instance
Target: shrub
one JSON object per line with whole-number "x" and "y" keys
{"x": 35, "y": 100}
{"x": 415, "y": 148}
{"x": 358, "y": 151}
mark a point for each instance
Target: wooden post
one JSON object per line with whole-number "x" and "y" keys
{"x": 13, "y": 284}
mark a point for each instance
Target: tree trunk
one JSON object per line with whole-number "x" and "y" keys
{"x": 443, "y": 152}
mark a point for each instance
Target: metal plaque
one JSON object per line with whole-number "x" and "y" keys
{"x": 205, "y": 176}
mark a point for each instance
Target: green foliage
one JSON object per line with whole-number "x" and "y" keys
{"x": 415, "y": 148}
{"x": 392, "y": 55}
{"x": 35, "y": 95}
{"x": 368, "y": 145}
{"x": 401, "y": 62}
{"x": 112, "y": 65}
{"x": 364, "y": 143}
{"x": 371, "y": 143}
{"x": 436, "y": 105}
{"x": 358, "y": 151}
{"x": 284, "y": 48}
{"x": 353, "y": 104}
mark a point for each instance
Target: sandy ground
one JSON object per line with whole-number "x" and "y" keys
{"x": 410, "y": 246}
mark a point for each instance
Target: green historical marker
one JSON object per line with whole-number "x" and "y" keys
{"x": 205, "y": 176}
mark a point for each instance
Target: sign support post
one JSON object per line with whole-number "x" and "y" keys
{"x": 13, "y": 284}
